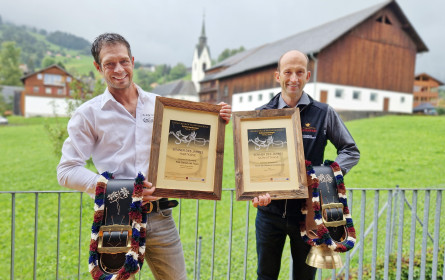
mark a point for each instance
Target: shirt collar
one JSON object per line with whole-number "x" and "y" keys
{"x": 108, "y": 97}
{"x": 304, "y": 100}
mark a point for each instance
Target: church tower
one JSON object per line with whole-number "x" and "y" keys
{"x": 201, "y": 59}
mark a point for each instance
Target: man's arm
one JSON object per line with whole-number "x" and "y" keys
{"x": 348, "y": 154}
{"x": 76, "y": 150}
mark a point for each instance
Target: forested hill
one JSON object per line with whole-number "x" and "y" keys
{"x": 35, "y": 43}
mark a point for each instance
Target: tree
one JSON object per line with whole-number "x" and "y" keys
{"x": 177, "y": 72}
{"x": 10, "y": 60}
{"x": 47, "y": 61}
{"x": 228, "y": 53}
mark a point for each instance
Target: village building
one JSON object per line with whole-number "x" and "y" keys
{"x": 426, "y": 90}
{"x": 188, "y": 90}
{"x": 361, "y": 62}
{"x": 45, "y": 92}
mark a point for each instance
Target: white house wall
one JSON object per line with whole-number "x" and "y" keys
{"x": 398, "y": 102}
{"x": 45, "y": 106}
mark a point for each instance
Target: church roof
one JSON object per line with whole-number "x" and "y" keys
{"x": 310, "y": 41}
{"x": 178, "y": 87}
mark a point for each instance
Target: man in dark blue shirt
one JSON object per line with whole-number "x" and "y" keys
{"x": 319, "y": 122}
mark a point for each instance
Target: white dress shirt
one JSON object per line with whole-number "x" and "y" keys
{"x": 103, "y": 129}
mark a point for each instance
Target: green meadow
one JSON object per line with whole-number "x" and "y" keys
{"x": 404, "y": 151}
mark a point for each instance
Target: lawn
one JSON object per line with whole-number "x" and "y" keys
{"x": 404, "y": 151}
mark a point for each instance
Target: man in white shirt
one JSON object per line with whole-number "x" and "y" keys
{"x": 115, "y": 129}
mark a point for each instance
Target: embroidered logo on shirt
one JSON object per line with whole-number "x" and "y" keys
{"x": 308, "y": 128}
{"x": 148, "y": 118}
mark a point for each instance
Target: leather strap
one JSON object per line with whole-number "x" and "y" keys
{"x": 331, "y": 208}
{"x": 115, "y": 241}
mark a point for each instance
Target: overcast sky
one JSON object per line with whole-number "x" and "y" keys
{"x": 166, "y": 31}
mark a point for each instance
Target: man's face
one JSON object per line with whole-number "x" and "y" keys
{"x": 293, "y": 74}
{"x": 116, "y": 66}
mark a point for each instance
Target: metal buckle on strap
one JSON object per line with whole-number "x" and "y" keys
{"x": 114, "y": 228}
{"x": 332, "y": 206}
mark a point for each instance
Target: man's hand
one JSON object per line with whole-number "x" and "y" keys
{"x": 226, "y": 112}
{"x": 147, "y": 192}
{"x": 262, "y": 200}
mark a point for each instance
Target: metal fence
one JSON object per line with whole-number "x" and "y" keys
{"x": 400, "y": 235}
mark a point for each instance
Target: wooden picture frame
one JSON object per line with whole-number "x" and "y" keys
{"x": 269, "y": 154}
{"x": 187, "y": 149}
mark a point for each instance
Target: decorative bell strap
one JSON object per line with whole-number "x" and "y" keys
{"x": 326, "y": 218}
{"x": 118, "y": 232}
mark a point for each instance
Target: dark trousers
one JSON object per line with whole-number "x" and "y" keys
{"x": 271, "y": 232}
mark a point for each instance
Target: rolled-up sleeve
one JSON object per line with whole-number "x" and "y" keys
{"x": 348, "y": 153}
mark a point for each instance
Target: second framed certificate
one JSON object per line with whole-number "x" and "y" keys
{"x": 187, "y": 149}
{"x": 269, "y": 155}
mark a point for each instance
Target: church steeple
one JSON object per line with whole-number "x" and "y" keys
{"x": 201, "y": 58}
{"x": 202, "y": 39}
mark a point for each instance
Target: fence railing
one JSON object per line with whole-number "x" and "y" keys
{"x": 400, "y": 235}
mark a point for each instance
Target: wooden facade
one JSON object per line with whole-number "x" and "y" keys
{"x": 426, "y": 90}
{"x": 39, "y": 84}
{"x": 377, "y": 54}
{"x": 378, "y": 51}
{"x": 51, "y": 82}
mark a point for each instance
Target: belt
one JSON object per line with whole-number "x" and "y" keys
{"x": 163, "y": 204}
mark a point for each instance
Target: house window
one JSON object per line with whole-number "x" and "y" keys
{"x": 36, "y": 89}
{"x": 68, "y": 79}
{"x": 204, "y": 66}
{"x": 260, "y": 97}
{"x": 240, "y": 99}
{"x": 48, "y": 90}
{"x": 52, "y": 79}
{"x": 60, "y": 91}
{"x": 402, "y": 99}
{"x": 339, "y": 93}
{"x": 271, "y": 95}
{"x": 250, "y": 98}
{"x": 39, "y": 76}
{"x": 373, "y": 97}
{"x": 226, "y": 90}
{"x": 356, "y": 95}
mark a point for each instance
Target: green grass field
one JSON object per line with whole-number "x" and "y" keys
{"x": 407, "y": 151}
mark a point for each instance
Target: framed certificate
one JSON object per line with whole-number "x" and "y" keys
{"x": 187, "y": 149}
{"x": 269, "y": 154}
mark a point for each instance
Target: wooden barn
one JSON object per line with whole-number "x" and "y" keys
{"x": 362, "y": 62}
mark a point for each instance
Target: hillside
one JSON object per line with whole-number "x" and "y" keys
{"x": 36, "y": 45}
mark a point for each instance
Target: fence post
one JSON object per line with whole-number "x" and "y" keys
{"x": 426, "y": 212}
{"x": 362, "y": 233}
{"x": 393, "y": 219}
{"x": 400, "y": 234}
{"x": 375, "y": 232}
{"x": 12, "y": 235}
{"x": 36, "y": 226}
{"x": 413, "y": 235}
{"x": 436, "y": 234}
{"x": 388, "y": 237}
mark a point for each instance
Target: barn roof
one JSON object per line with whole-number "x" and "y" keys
{"x": 178, "y": 87}
{"x": 310, "y": 41}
